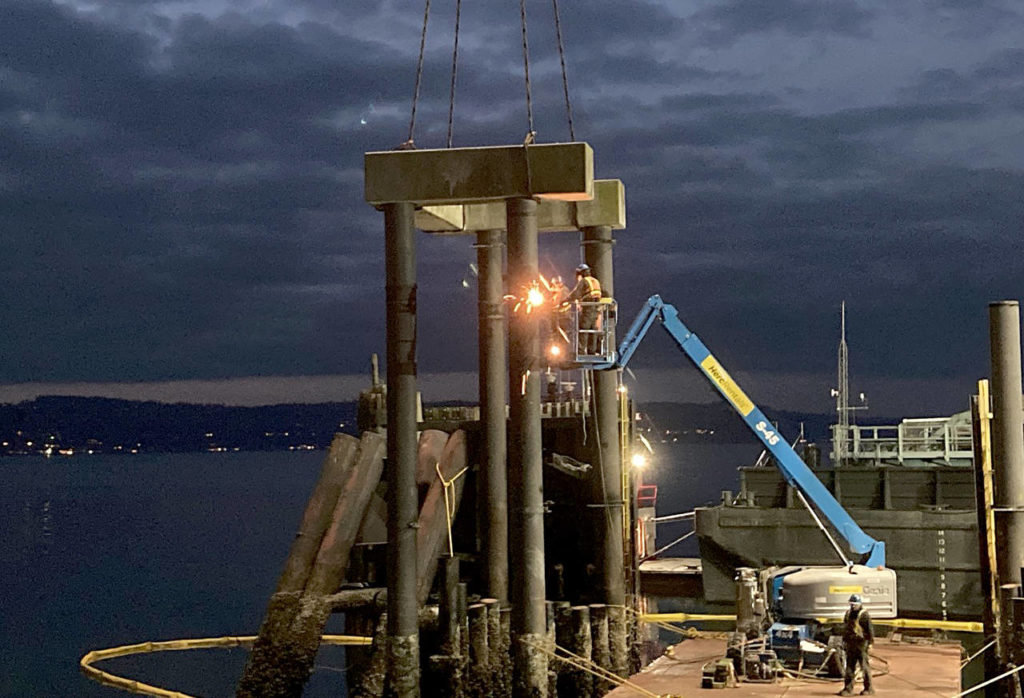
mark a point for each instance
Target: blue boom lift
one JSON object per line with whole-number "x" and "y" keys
{"x": 797, "y": 597}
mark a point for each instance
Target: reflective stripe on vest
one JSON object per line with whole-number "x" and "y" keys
{"x": 594, "y": 288}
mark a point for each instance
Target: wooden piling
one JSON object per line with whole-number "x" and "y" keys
{"x": 600, "y": 651}
{"x": 505, "y": 614}
{"x": 434, "y": 524}
{"x": 618, "y": 642}
{"x": 450, "y": 606}
{"x": 333, "y": 555}
{"x": 462, "y": 605}
{"x": 271, "y": 669}
{"x": 479, "y": 654}
{"x": 551, "y": 614}
{"x": 494, "y": 646}
{"x": 580, "y": 681}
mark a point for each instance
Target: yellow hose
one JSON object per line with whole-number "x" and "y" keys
{"x": 201, "y": 643}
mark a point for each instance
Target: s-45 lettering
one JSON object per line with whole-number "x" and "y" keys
{"x": 770, "y": 436}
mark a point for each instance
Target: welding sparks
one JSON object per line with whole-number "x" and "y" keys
{"x": 533, "y": 297}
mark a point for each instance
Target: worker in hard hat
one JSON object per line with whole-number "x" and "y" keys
{"x": 858, "y": 637}
{"x": 588, "y": 293}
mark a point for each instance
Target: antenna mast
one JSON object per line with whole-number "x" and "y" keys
{"x": 842, "y": 395}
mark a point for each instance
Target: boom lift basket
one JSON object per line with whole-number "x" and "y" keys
{"x": 592, "y": 331}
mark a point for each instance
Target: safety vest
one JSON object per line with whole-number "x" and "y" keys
{"x": 593, "y": 289}
{"x": 858, "y": 630}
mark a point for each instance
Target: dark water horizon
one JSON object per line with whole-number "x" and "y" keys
{"x": 108, "y": 550}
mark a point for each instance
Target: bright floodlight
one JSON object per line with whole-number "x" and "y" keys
{"x": 639, "y": 460}
{"x": 555, "y": 350}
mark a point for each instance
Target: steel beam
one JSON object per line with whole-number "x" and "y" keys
{"x": 490, "y": 248}
{"x": 403, "y": 505}
{"x": 463, "y": 175}
{"x": 607, "y": 208}
{"x": 526, "y": 476}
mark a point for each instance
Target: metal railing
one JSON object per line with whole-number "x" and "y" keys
{"x": 931, "y": 439}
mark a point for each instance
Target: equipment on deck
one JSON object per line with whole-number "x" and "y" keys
{"x": 799, "y": 600}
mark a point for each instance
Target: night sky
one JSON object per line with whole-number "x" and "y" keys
{"x": 181, "y": 200}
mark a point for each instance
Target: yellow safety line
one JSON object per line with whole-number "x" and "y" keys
{"x": 950, "y": 625}
{"x": 683, "y": 617}
{"x": 108, "y": 679}
{"x": 447, "y": 505}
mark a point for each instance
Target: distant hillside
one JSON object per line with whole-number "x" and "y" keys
{"x": 718, "y": 422}
{"x": 101, "y": 425}
{"x": 106, "y": 425}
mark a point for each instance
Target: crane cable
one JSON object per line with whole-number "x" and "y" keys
{"x": 531, "y": 133}
{"x": 410, "y": 143}
{"x": 455, "y": 63}
{"x": 565, "y": 77}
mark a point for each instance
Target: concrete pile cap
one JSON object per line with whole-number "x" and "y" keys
{"x": 563, "y": 171}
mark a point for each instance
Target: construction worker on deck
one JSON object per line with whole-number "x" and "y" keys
{"x": 588, "y": 293}
{"x": 858, "y": 636}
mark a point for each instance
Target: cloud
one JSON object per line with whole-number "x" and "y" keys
{"x": 726, "y": 22}
{"x": 181, "y": 182}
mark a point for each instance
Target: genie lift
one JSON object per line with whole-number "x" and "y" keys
{"x": 783, "y": 610}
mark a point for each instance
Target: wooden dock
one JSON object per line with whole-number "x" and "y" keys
{"x": 914, "y": 670}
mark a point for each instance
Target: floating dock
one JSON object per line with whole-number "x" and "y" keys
{"x": 912, "y": 670}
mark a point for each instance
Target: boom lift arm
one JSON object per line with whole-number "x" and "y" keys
{"x": 870, "y": 551}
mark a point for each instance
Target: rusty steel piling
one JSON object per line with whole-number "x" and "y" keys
{"x": 526, "y": 477}
{"x": 1007, "y": 453}
{"x": 490, "y": 247}
{"x": 607, "y": 478}
{"x": 403, "y": 506}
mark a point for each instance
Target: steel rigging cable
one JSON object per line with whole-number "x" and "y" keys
{"x": 410, "y": 143}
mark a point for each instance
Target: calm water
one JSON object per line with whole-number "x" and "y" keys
{"x": 101, "y": 551}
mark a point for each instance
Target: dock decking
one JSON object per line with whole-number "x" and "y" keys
{"x": 914, "y": 670}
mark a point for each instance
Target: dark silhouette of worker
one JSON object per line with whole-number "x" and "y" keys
{"x": 858, "y": 636}
{"x": 588, "y": 292}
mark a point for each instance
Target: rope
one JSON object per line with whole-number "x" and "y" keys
{"x": 419, "y": 75}
{"x": 526, "y": 72}
{"x": 565, "y": 79}
{"x": 455, "y": 62}
{"x": 976, "y": 654}
{"x": 582, "y": 663}
{"x": 447, "y": 502}
{"x": 986, "y": 683}
{"x": 663, "y": 548}
{"x": 133, "y": 686}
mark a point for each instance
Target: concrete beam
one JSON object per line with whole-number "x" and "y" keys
{"x": 465, "y": 175}
{"x": 607, "y": 208}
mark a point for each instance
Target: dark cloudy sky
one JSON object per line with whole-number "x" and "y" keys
{"x": 181, "y": 186}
